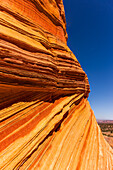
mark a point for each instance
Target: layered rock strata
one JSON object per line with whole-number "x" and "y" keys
{"x": 34, "y": 51}
{"x": 45, "y": 119}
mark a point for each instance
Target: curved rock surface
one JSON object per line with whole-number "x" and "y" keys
{"x": 33, "y": 48}
{"x": 45, "y": 119}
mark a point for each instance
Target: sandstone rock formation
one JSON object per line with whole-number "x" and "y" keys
{"x": 45, "y": 119}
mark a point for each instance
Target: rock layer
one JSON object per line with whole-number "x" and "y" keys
{"x": 34, "y": 51}
{"x": 45, "y": 119}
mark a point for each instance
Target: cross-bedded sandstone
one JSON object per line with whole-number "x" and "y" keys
{"x": 45, "y": 119}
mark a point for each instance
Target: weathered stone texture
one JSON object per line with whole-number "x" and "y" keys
{"x": 45, "y": 119}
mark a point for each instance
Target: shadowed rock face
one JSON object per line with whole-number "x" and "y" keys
{"x": 34, "y": 53}
{"x": 45, "y": 119}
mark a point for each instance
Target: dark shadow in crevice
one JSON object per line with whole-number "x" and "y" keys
{"x": 54, "y": 130}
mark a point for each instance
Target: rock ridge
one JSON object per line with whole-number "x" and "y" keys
{"x": 46, "y": 121}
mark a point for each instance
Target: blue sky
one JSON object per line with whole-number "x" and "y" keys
{"x": 90, "y": 37}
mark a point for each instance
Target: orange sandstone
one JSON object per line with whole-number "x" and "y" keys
{"x": 45, "y": 119}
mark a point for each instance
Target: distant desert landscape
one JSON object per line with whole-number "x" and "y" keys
{"x": 46, "y": 121}
{"x": 107, "y": 130}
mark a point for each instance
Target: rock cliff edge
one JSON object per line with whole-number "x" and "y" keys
{"x": 46, "y": 121}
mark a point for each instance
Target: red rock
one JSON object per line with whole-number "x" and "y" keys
{"x": 45, "y": 118}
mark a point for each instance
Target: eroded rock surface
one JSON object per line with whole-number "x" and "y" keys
{"x": 45, "y": 119}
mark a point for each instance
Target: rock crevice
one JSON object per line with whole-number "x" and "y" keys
{"x": 46, "y": 121}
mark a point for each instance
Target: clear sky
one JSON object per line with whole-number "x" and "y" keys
{"x": 90, "y": 37}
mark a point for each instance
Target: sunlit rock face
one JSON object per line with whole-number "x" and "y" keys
{"x": 45, "y": 119}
